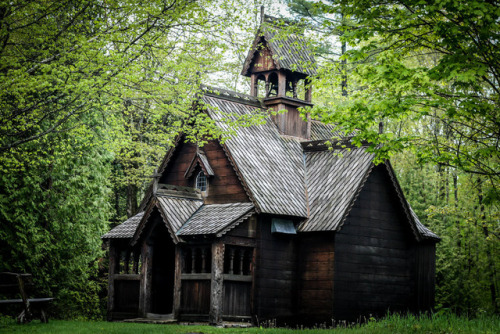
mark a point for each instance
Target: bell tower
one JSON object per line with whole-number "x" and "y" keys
{"x": 279, "y": 65}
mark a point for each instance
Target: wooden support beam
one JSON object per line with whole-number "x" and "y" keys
{"x": 217, "y": 286}
{"x": 281, "y": 84}
{"x": 308, "y": 95}
{"x": 177, "y": 282}
{"x": 254, "y": 86}
{"x": 147, "y": 273}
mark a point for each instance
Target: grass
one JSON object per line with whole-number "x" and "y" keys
{"x": 392, "y": 324}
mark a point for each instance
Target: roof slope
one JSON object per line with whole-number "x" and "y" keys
{"x": 216, "y": 218}
{"x": 333, "y": 181}
{"x": 270, "y": 165}
{"x": 282, "y": 175}
{"x": 177, "y": 210}
{"x": 174, "y": 211}
{"x": 290, "y": 51}
{"x": 126, "y": 229}
{"x": 322, "y": 131}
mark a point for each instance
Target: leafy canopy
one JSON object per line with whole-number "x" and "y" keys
{"x": 435, "y": 64}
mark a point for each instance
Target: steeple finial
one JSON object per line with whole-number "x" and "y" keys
{"x": 261, "y": 14}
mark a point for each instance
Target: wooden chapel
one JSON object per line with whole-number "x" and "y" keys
{"x": 270, "y": 224}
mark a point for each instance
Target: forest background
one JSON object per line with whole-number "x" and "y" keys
{"x": 93, "y": 93}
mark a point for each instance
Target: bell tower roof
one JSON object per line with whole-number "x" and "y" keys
{"x": 280, "y": 66}
{"x": 284, "y": 50}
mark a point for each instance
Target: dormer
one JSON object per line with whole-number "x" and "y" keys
{"x": 279, "y": 66}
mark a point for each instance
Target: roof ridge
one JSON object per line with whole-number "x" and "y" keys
{"x": 327, "y": 144}
{"x": 229, "y": 95}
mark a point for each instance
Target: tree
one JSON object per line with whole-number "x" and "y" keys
{"x": 91, "y": 94}
{"x": 429, "y": 72}
{"x": 52, "y": 218}
{"x": 433, "y": 60}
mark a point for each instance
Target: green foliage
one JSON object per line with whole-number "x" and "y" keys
{"x": 433, "y": 62}
{"x": 52, "y": 215}
{"x": 451, "y": 203}
{"x": 443, "y": 323}
{"x": 92, "y": 94}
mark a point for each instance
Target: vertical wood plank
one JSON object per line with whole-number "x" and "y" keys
{"x": 281, "y": 84}
{"x": 216, "y": 302}
{"x": 147, "y": 276}
{"x": 253, "y": 85}
{"x": 177, "y": 282}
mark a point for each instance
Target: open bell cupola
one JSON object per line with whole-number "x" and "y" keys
{"x": 279, "y": 65}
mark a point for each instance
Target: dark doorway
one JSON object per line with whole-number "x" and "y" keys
{"x": 163, "y": 270}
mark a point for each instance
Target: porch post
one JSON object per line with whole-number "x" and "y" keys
{"x": 145, "y": 292}
{"x": 217, "y": 285}
{"x": 177, "y": 282}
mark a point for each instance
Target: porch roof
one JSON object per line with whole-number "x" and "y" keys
{"x": 216, "y": 219}
{"x": 126, "y": 229}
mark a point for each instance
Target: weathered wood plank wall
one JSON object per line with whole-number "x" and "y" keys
{"x": 426, "y": 275}
{"x": 316, "y": 263}
{"x": 275, "y": 273}
{"x": 224, "y": 186}
{"x": 290, "y": 123}
{"x": 374, "y": 268}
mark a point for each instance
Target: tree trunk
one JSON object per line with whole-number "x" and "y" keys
{"x": 132, "y": 199}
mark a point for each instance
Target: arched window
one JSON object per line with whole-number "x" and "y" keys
{"x": 201, "y": 181}
{"x": 273, "y": 82}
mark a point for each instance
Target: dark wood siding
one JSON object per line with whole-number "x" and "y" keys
{"x": 290, "y": 123}
{"x": 425, "y": 275}
{"x": 316, "y": 263}
{"x": 263, "y": 61}
{"x": 275, "y": 273}
{"x": 374, "y": 262}
{"x": 237, "y": 298}
{"x": 178, "y": 164}
{"x": 195, "y": 298}
{"x": 127, "y": 296}
{"x": 224, "y": 186}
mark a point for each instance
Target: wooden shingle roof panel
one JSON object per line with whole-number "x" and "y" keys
{"x": 215, "y": 218}
{"x": 322, "y": 131}
{"x": 178, "y": 210}
{"x": 290, "y": 51}
{"x": 126, "y": 229}
{"x": 270, "y": 165}
{"x": 333, "y": 183}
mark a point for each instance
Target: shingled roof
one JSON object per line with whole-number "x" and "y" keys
{"x": 175, "y": 211}
{"x": 216, "y": 219}
{"x": 183, "y": 217}
{"x": 290, "y": 51}
{"x": 270, "y": 165}
{"x": 126, "y": 229}
{"x": 333, "y": 180}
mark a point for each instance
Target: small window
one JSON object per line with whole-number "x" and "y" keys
{"x": 201, "y": 181}
{"x": 283, "y": 226}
